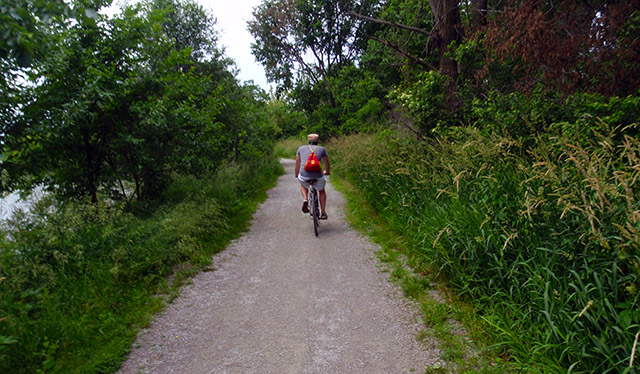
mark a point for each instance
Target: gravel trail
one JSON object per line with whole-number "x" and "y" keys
{"x": 281, "y": 300}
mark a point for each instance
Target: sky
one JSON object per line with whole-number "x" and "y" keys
{"x": 232, "y": 17}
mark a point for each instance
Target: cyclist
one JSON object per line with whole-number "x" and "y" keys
{"x": 304, "y": 176}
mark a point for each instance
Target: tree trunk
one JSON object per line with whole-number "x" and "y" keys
{"x": 449, "y": 30}
{"x": 91, "y": 173}
{"x": 478, "y": 14}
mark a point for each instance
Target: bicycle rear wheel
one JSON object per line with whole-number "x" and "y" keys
{"x": 315, "y": 211}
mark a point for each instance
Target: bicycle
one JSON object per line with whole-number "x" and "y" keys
{"x": 314, "y": 206}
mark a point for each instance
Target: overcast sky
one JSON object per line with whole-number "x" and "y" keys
{"x": 232, "y": 16}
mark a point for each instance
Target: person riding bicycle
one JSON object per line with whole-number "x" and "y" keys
{"x": 304, "y": 176}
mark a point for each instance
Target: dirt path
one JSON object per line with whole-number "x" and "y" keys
{"x": 283, "y": 301}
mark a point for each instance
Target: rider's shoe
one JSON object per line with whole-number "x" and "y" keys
{"x": 305, "y": 206}
{"x": 324, "y": 215}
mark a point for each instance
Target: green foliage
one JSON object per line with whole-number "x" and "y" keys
{"x": 324, "y": 120}
{"x": 188, "y": 25}
{"x": 426, "y": 100}
{"x": 287, "y": 148}
{"x": 306, "y": 46}
{"x": 516, "y": 113}
{"x": 287, "y": 121}
{"x": 460, "y": 348}
{"x": 359, "y": 105}
{"x": 384, "y": 61}
{"x": 360, "y": 99}
{"x": 523, "y": 115}
{"x": 28, "y": 31}
{"x": 364, "y": 119}
{"x": 78, "y": 280}
{"x": 24, "y": 33}
{"x": 470, "y": 57}
{"x": 129, "y": 100}
{"x": 545, "y": 243}
{"x": 306, "y": 40}
{"x": 115, "y": 111}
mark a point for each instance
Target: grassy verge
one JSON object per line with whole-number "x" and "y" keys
{"x": 442, "y": 312}
{"x": 540, "y": 238}
{"x": 77, "y": 283}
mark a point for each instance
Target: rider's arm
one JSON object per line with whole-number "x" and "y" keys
{"x": 325, "y": 159}
{"x": 297, "y": 169}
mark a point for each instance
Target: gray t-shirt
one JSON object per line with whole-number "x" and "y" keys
{"x": 304, "y": 152}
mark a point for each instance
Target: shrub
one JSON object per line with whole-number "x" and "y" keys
{"x": 77, "y": 281}
{"x": 426, "y": 100}
{"x": 523, "y": 115}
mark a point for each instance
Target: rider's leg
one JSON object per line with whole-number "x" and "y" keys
{"x": 305, "y": 204}
{"x": 323, "y": 200}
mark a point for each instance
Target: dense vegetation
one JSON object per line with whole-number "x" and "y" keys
{"x": 152, "y": 155}
{"x": 80, "y": 280}
{"x": 500, "y": 139}
{"x": 544, "y": 245}
{"x": 126, "y": 100}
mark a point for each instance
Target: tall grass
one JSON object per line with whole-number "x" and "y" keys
{"x": 542, "y": 238}
{"x": 76, "y": 282}
{"x": 286, "y": 148}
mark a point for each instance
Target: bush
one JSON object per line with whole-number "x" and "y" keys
{"x": 360, "y": 97}
{"x": 287, "y": 148}
{"x": 426, "y": 100}
{"x": 523, "y": 115}
{"x": 78, "y": 280}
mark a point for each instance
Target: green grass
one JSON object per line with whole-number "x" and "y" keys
{"x": 541, "y": 239}
{"x": 77, "y": 284}
{"x": 460, "y": 347}
{"x": 286, "y": 148}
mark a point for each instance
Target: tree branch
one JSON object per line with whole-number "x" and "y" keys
{"x": 392, "y": 24}
{"x": 415, "y": 59}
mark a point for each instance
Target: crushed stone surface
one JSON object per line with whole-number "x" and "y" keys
{"x": 281, "y": 300}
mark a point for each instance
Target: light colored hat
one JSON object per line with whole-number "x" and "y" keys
{"x": 313, "y": 137}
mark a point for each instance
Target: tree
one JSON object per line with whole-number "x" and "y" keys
{"x": 67, "y": 120}
{"x": 24, "y": 24}
{"x": 478, "y": 14}
{"x": 26, "y": 29}
{"x": 569, "y": 45}
{"x": 446, "y": 31}
{"x": 120, "y": 104}
{"x": 403, "y": 29}
{"x": 307, "y": 39}
{"x": 188, "y": 25}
